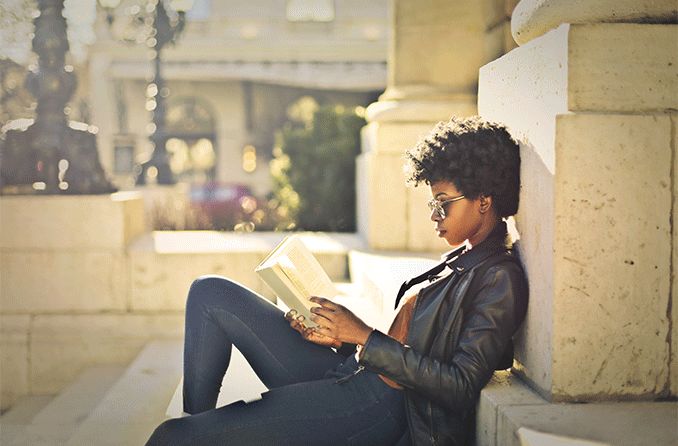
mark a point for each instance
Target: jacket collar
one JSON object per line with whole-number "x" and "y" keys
{"x": 461, "y": 260}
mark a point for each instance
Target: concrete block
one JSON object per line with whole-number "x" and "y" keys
{"x": 612, "y": 256}
{"x": 503, "y": 390}
{"x": 603, "y": 67}
{"x": 62, "y": 346}
{"x": 533, "y": 18}
{"x": 382, "y": 215}
{"x": 14, "y": 358}
{"x": 70, "y": 222}
{"x": 623, "y": 67}
{"x": 533, "y": 79}
{"x": 620, "y": 424}
{"x": 62, "y": 280}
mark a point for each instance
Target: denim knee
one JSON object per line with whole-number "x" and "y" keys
{"x": 170, "y": 432}
{"x": 206, "y": 288}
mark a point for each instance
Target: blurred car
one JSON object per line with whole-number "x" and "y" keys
{"x": 223, "y": 203}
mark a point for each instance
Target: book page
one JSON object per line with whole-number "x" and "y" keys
{"x": 294, "y": 274}
{"x": 308, "y": 274}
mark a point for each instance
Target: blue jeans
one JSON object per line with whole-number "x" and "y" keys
{"x": 304, "y": 405}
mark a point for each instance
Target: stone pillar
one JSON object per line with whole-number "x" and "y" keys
{"x": 593, "y": 97}
{"x": 437, "y": 47}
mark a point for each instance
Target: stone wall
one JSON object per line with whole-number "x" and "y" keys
{"x": 594, "y": 105}
{"x": 84, "y": 283}
{"x": 64, "y": 290}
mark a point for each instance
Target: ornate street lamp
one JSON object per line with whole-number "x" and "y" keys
{"x": 163, "y": 29}
{"x": 51, "y": 155}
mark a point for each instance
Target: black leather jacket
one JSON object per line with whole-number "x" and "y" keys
{"x": 461, "y": 327}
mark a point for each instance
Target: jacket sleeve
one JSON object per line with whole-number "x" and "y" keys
{"x": 485, "y": 333}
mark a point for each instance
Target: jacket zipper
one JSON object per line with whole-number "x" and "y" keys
{"x": 351, "y": 376}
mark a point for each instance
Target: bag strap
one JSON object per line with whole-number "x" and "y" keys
{"x": 431, "y": 274}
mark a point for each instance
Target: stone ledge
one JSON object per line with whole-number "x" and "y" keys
{"x": 163, "y": 264}
{"x": 532, "y": 18}
{"x": 605, "y": 67}
{"x": 200, "y": 242}
{"x": 504, "y": 389}
{"x": 80, "y": 222}
{"x": 507, "y": 404}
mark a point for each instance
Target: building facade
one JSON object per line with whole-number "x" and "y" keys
{"x": 234, "y": 72}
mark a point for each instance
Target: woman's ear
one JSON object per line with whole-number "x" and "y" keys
{"x": 485, "y": 203}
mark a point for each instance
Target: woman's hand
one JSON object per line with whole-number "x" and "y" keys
{"x": 310, "y": 334}
{"x": 337, "y": 322}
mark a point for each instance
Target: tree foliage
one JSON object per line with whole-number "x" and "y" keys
{"x": 314, "y": 167}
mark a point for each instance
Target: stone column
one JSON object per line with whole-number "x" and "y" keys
{"x": 592, "y": 93}
{"x": 437, "y": 47}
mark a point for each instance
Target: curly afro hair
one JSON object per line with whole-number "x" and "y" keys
{"x": 477, "y": 156}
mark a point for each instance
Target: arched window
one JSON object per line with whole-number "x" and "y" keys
{"x": 191, "y": 140}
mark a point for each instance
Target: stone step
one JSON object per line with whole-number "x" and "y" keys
{"x": 23, "y": 411}
{"x": 15, "y": 424}
{"x": 136, "y": 403}
{"x": 510, "y": 413}
{"x": 59, "y": 419}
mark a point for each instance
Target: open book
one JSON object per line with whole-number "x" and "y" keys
{"x": 294, "y": 274}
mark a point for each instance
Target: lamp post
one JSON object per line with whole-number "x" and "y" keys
{"x": 163, "y": 30}
{"x": 51, "y": 155}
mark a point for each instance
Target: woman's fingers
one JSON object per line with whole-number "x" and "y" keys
{"x": 324, "y": 303}
{"x": 322, "y": 320}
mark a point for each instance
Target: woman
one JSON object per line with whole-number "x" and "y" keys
{"x": 419, "y": 383}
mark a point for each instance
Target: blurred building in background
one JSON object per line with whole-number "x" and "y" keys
{"x": 234, "y": 72}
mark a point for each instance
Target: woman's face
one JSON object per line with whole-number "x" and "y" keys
{"x": 465, "y": 219}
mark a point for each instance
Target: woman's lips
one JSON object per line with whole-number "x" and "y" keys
{"x": 440, "y": 232}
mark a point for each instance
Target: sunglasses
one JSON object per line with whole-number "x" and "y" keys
{"x": 438, "y": 206}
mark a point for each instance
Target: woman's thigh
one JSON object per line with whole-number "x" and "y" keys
{"x": 362, "y": 411}
{"x": 241, "y": 317}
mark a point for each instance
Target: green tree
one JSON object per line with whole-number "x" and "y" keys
{"x": 314, "y": 168}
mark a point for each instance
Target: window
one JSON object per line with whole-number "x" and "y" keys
{"x": 310, "y": 10}
{"x": 191, "y": 137}
{"x": 123, "y": 159}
